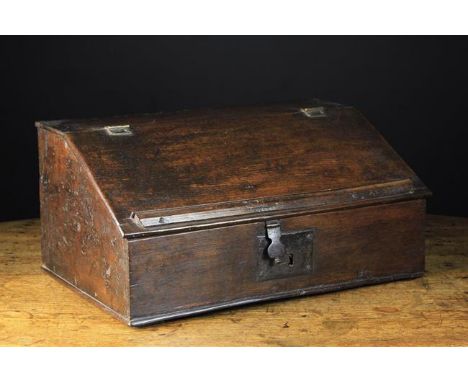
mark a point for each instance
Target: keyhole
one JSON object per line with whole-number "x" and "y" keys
{"x": 291, "y": 260}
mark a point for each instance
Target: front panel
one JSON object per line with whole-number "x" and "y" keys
{"x": 181, "y": 274}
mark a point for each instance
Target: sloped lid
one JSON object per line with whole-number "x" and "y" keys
{"x": 192, "y": 169}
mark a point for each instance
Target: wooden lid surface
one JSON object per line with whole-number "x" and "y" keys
{"x": 160, "y": 172}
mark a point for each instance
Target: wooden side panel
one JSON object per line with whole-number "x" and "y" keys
{"x": 81, "y": 241}
{"x": 179, "y": 274}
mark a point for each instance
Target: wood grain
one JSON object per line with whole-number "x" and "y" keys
{"x": 37, "y": 310}
{"x": 178, "y": 273}
{"x": 80, "y": 241}
{"x": 247, "y": 155}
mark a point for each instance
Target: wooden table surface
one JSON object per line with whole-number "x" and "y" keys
{"x": 38, "y": 310}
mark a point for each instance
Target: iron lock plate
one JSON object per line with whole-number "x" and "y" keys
{"x": 284, "y": 254}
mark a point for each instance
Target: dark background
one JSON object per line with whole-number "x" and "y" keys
{"x": 414, "y": 89}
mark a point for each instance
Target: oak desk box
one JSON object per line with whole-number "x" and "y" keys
{"x": 162, "y": 216}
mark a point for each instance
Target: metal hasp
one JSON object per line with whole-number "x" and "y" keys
{"x": 284, "y": 254}
{"x": 275, "y": 250}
